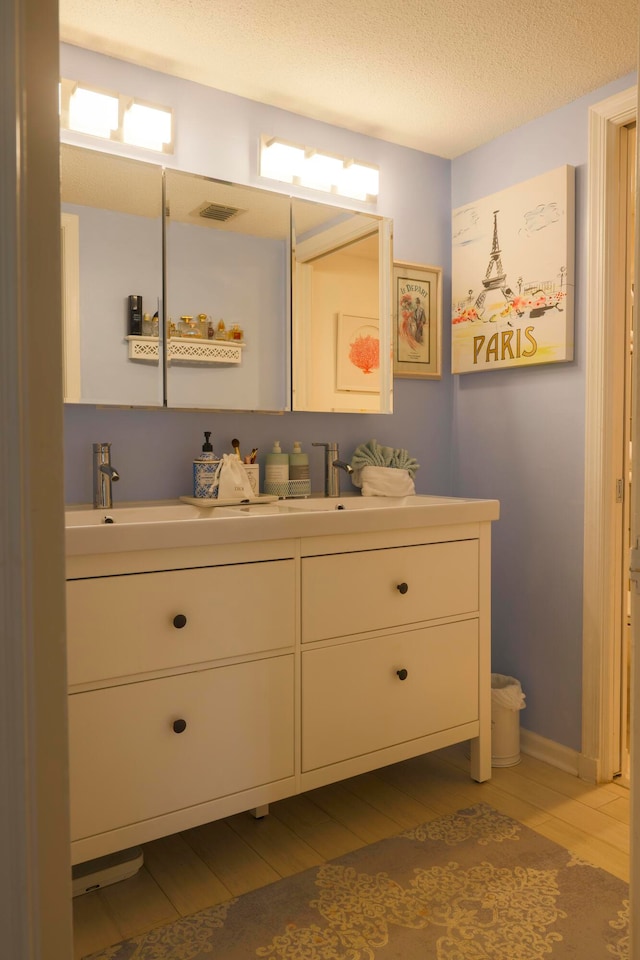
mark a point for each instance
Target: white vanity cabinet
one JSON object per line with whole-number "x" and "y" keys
{"x": 182, "y": 687}
{"x": 394, "y": 650}
{"x": 143, "y": 750}
{"x": 231, "y": 663}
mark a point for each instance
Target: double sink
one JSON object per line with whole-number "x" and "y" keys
{"x": 162, "y": 524}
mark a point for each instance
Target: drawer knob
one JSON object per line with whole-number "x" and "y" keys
{"x": 402, "y": 587}
{"x": 179, "y": 726}
{"x": 402, "y": 674}
{"x": 179, "y": 621}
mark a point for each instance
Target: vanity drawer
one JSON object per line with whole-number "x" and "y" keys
{"x": 124, "y": 625}
{"x": 349, "y": 593}
{"x": 354, "y": 702}
{"x": 127, "y": 764}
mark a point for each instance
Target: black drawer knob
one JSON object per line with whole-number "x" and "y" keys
{"x": 179, "y": 726}
{"x": 402, "y": 674}
{"x": 179, "y": 621}
{"x": 402, "y": 587}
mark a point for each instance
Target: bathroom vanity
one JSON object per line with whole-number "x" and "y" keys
{"x": 222, "y": 659}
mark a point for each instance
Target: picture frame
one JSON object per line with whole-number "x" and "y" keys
{"x": 417, "y": 321}
{"x": 513, "y": 276}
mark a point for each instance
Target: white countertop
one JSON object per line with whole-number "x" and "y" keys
{"x": 87, "y": 533}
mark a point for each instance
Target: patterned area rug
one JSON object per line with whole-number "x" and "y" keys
{"x": 470, "y": 886}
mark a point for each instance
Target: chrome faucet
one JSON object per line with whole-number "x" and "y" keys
{"x": 103, "y": 475}
{"x": 332, "y": 467}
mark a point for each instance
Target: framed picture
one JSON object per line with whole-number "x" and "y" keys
{"x": 358, "y": 354}
{"x": 417, "y": 321}
{"x": 512, "y": 276}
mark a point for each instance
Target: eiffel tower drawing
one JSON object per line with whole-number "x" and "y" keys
{"x": 495, "y": 277}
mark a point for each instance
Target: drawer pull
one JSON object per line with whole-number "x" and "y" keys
{"x": 179, "y": 621}
{"x": 402, "y": 587}
{"x": 402, "y": 674}
{"x": 179, "y": 726}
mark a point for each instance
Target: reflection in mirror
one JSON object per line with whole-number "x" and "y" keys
{"x": 228, "y": 295}
{"x": 111, "y": 249}
{"x": 342, "y": 263}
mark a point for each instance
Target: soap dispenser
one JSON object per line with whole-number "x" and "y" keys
{"x": 276, "y": 472}
{"x": 204, "y": 471}
{"x": 299, "y": 476}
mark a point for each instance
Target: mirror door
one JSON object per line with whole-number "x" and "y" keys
{"x": 342, "y": 264}
{"x": 111, "y": 234}
{"x": 228, "y": 295}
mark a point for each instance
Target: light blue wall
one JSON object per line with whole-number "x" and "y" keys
{"x": 118, "y": 253}
{"x": 519, "y": 436}
{"x": 218, "y": 134}
{"x": 206, "y": 266}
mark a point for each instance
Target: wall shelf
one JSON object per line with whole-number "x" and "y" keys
{"x": 186, "y": 350}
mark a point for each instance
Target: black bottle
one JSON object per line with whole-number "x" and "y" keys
{"x": 135, "y": 315}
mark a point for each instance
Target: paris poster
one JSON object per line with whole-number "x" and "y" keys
{"x": 513, "y": 276}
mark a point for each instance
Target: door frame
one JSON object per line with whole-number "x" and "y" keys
{"x": 602, "y": 519}
{"x": 35, "y": 866}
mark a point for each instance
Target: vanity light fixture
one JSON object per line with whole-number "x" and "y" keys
{"x": 147, "y": 126}
{"x": 307, "y": 167}
{"x": 115, "y": 116}
{"x": 93, "y": 112}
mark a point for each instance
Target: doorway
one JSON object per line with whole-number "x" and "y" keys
{"x": 605, "y": 697}
{"x": 622, "y": 700}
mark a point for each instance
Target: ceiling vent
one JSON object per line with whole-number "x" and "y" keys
{"x": 218, "y": 212}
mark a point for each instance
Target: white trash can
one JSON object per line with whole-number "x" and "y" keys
{"x": 507, "y": 700}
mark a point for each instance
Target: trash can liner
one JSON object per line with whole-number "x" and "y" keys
{"x": 507, "y": 692}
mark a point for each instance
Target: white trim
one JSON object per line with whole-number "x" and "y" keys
{"x": 70, "y": 258}
{"x": 555, "y": 754}
{"x": 35, "y": 874}
{"x": 601, "y": 511}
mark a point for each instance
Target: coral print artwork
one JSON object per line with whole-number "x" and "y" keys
{"x": 358, "y": 354}
{"x": 513, "y": 276}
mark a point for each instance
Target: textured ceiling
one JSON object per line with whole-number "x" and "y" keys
{"x": 442, "y": 76}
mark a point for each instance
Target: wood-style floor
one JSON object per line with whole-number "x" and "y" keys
{"x": 189, "y": 871}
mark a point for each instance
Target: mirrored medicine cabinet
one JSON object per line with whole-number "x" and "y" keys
{"x": 341, "y": 295}
{"x": 227, "y": 262}
{"x": 244, "y": 272}
{"x": 111, "y": 248}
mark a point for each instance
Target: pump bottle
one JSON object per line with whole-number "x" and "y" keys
{"x": 276, "y": 472}
{"x": 204, "y": 471}
{"x": 299, "y": 476}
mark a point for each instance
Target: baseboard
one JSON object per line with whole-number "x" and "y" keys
{"x": 555, "y": 754}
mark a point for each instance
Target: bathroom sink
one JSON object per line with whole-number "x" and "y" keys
{"x": 328, "y": 504}
{"x": 167, "y": 524}
{"x": 251, "y": 510}
{"x": 140, "y": 514}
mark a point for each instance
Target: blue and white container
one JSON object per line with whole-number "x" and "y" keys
{"x": 204, "y": 471}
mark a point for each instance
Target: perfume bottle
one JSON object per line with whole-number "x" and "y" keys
{"x": 189, "y": 328}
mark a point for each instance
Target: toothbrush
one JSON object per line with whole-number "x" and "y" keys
{"x": 236, "y": 446}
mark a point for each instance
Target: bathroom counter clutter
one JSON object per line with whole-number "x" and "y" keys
{"x": 222, "y": 658}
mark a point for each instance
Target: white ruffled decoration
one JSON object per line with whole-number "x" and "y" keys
{"x": 384, "y": 482}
